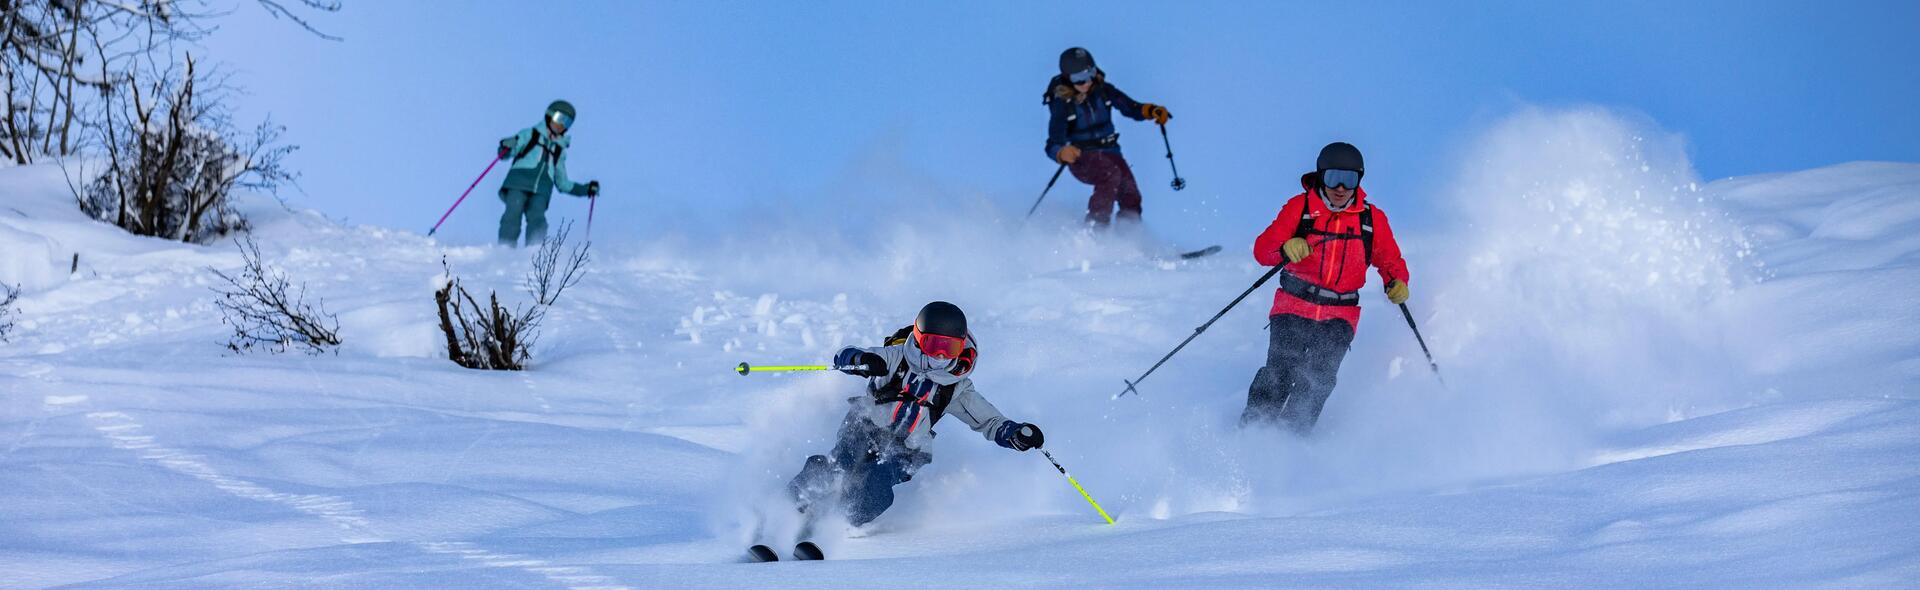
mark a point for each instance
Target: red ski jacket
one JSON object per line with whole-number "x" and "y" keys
{"x": 1338, "y": 262}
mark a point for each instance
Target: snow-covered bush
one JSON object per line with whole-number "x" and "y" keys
{"x": 265, "y": 310}
{"x": 498, "y": 338}
{"x": 172, "y": 160}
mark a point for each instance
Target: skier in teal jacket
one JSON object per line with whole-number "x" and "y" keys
{"x": 539, "y": 165}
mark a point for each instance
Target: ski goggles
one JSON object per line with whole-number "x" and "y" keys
{"x": 1334, "y": 177}
{"x": 1082, "y": 76}
{"x": 561, "y": 119}
{"x": 938, "y": 346}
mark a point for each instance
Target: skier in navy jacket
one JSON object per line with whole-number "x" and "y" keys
{"x": 1080, "y": 134}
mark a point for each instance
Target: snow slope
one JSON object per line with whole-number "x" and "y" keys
{"x": 1655, "y": 381}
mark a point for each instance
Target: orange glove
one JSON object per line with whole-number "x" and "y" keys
{"x": 1068, "y": 154}
{"x": 1156, "y": 112}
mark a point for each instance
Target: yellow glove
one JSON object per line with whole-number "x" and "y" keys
{"x": 1296, "y": 249}
{"x": 1068, "y": 154}
{"x": 1397, "y": 292}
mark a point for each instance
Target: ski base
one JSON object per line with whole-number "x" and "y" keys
{"x": 761, "y": 554}
{"x": 807, "y": 551}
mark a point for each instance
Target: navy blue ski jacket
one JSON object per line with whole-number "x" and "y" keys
{"x": 1088, "y": 123}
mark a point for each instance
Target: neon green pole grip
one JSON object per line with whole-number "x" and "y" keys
{"x": 745, "y": 368}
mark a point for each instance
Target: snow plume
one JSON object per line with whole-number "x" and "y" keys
{"x": 1577, "y": 290}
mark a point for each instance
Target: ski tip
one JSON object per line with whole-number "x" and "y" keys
{"x": 807, "y": 551}
{"x": 761, "y": 553}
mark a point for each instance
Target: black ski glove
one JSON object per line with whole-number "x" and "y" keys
{"x": 1019, "y": 436}
{"x": 505, "y": 150}
{"x": 593, "y": 188}
{"x": 859, "y": 363}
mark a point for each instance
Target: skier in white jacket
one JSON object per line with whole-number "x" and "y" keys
{"x": 918, "y": 377}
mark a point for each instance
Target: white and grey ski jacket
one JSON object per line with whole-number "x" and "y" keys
{"x": 915, "y": 391}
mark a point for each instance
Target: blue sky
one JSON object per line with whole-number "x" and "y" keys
{"x": 694, "y": 113}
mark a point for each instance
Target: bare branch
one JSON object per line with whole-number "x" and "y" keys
{"x": 265, "y": 310}
{"x": 551, "y": 274}
{"x": 7, "y": 311}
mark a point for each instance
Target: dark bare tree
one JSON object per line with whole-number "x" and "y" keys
{"x": 7, "y": 312}
{"x": 267, "y": 311}
{"x": 501, "y": 338}
{"x": 58, "y": 57}
{"x": 172, "y": 159}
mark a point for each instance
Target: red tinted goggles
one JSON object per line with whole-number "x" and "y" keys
{"x": 940, "y": 347}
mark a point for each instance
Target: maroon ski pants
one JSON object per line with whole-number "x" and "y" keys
{"x": 1112, "y": 182}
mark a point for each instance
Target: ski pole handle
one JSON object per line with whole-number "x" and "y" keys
{"x": 744, "y": 368}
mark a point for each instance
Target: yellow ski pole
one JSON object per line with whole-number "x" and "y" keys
{"x": 744, "y": 368}
{"x": 1076, "y": 485}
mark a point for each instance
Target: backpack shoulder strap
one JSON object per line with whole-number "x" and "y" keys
{"x": 938, "y": 405}
{"x": 1366, "y": 232}
{"x": 532, "y": 142}
{"x": 1306, "y": 217}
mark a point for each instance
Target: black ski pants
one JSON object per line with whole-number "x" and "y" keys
{"x": 1303, "y": 360}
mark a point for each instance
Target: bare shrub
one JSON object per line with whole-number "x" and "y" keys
{"x": 173, "y": 160}
{"x": 268, "y": 312}
{"x": 7, "y": 312}
{"x": 500, "y": 338}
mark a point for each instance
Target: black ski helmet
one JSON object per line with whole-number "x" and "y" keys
{"x": 1074, "y": 60}
{"x": 1341, "y": 155}
{"x": 941, "y": 318}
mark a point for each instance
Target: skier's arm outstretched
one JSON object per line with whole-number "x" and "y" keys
{"x": 980, "y": 415}
{"x": 1136, "y": 110}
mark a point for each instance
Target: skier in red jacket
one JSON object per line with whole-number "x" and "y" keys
{"x": 1326, "y": 238}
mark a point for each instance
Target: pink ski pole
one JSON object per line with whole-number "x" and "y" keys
{"x": 463, "y": 197}
{"x": 590, "y": 202}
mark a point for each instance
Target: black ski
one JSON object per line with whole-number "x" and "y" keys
{"x": 1207, "y": 251}
{"x": 807, "y": 551}
{"x": 761, "y": 554}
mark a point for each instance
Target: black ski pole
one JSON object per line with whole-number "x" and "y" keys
{"x": 1178, "y": 182}
{"x": 1043, "y": 193}
{"x": 1423, "y": 344}
{"x": 1197, "y": 331}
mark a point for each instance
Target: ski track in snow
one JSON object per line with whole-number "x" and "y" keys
{"x": 126, "y": 433}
